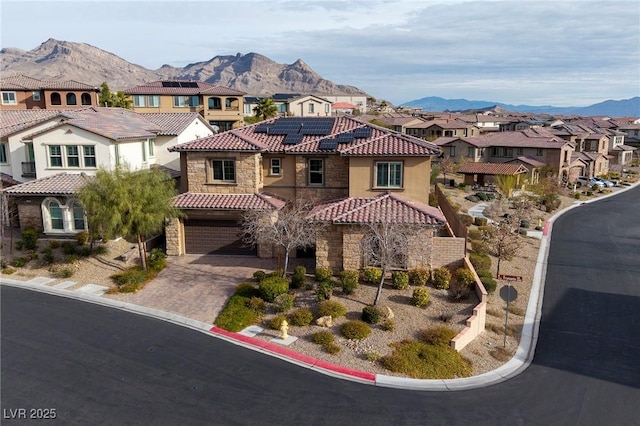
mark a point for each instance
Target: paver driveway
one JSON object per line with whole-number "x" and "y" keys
{"x": 197, "y": 286}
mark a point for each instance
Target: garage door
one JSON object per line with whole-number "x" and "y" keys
{"x": 215, "y": 237}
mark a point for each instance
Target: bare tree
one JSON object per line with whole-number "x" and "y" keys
{"x": 287, "y": 228}
{"x": 447, "y": 165}
{"x": 502, "y": 238}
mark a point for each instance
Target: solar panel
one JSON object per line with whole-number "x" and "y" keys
{"x": 328, "y": 144}
{"x": 292, "y": 139}
{"x": 189, "y": 84}
{"x": 362, "y": 132}
{"x": 345, "y": 138}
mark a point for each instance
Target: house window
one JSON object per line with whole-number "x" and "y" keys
{"x": 36, "y": 95}
{"x": 326, "y": 108}
{"x": 56, "y": 99}
{"x": 247, "y": 109}
{"x": 275, "y": 168}
{"x": 231, "y": 104}
{"x": 180, "y": 101}
{"x": 78, "y": 217}
{"x": 224, "y": 170}
{"x": 55, "y": 156}
{"x": 71, "y": 99}
{"x": 3, "y": 153}
{"x": 138, "y": 101}
{"x": 282, "y": 108}
{"x": 9, "y": 98}
{"x": 55, "y": 214}
{"x": 539, "y": 152}
{"x": 153, "y": 101}
{"x": 194, "y": 101}
{"x": 85, "y": 99}
{"x": 389, "y": 174}
{"x": 73, "y": 156}
{"x": 452, "y": 151}
{"x": 151, "y": 143}
{"x": 471, "y": 152}
{"x": 316, "y": 171}
{"x": 214, "y": 103}
{"x": 89, "y": 155}
{"x": 520, "y": 151}
{"x": 311, "y": 108}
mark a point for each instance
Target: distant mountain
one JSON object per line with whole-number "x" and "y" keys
{"x": 611, "y": 108}
{"x": 252, "y": 73}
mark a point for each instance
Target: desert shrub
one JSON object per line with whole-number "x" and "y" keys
{"x": 29, "y": 238}
{"x": 399, "y": 280}
{"x": 439, "y": 336}
{"x": 331, "y": 348}
{"x": 482, "y": 196}
{"x": 259, "y": 275}
{"x": 276, "y": 322}
{"x": 355, "y": 329}
{"x": 420, "y": 297}
{"x": 157, "y": 260}
{"x": 371, "y": 274}
{"x": 284, "y": 302}
{"x": 420, "y": 360}
{"x": 480, "y": 221}
{"x": 465, "y": 218}
{"x": 82, "y": 238}
{"x": 48, "y": 256}
{"x": 480, "y": 261}
{"x": 71, "y": 259}
{"x": 419, "y": 276}
{"x": 322, "y": 274}
{"x": 488, "y": 281}
{"x": 474, "y": 234}
{"x": 299, "y": 277}
{"x": 247, "y": 289}
{"x": 441, "y": 278}
{"x": 522, "y": 231}
{"x": 19, "y": 245}
{"x": 372, "y": 356}
{"x": 388, "y": 325}
{"x": 465, "y": 276}
{"x": 256, "y": 304}
{"x": 433, "y": 199}
{"x": 3, "y": 263}
{"x": 7, "y": 270}
{"x": 323, "y": 337}
{"x": 330, "y": 307}
{"x": 479, "y": 246}
{"x": 272, "y": 287}
{"x": 68, "y": 248}
{"x": 100, "y": 249}
{"x": 472, "y": 198}
{"x": 301, "y": 317}
{"x": 84, "y": 251}
{"x": 371, "y": 314}
{"x": 239, "y": 312}
{"x": 54, "y": 244}
{"x": 525, "y": 224}
{"x": 130, "y": 277}
{"x": 324, "y": 290}
{"x": 446, "y": 317}
{"x": 459, "y": 291}
{"x": 349, "y": 281}
{"x": 63, "y": 272}
{"x": 19, "y": 262}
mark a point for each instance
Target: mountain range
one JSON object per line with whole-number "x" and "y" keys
{"x": 251, "y": 73}
{"x": 611, "y": 108}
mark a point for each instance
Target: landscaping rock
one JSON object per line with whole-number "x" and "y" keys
{"x": 326, "y": 321}
{"x": 387, "y": 312}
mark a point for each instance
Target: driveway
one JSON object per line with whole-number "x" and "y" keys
{"x": 197, "y": 286}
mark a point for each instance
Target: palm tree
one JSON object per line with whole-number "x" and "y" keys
{"x": 265, "y": 109}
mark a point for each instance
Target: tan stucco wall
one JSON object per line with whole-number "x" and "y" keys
{"x": 199, "y": 174}
{"x": 284, "y": 184}
{"x": 416, "y": 175}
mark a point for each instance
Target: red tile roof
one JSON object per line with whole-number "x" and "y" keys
{"x": 201, "y": 88}
{"x": 343, "y": 105}
{"x": 58, "y": 184}
{"x": 12, "y": 121}
{"x": 492, "y": 168}
{"x": 263, "y": 201}
{"x": 531, "y": 138}
{"x": 384, "y": 208}
{"x": 528, "y": 160}
{"x": 23, "y": 82}
{"x": 380, "y": 141}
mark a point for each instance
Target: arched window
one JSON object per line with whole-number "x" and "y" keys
{"x": 214, "y": 103}
{"x": 78, "y": 217}
{"x": 231, "y": 104}
{"x": 56, "y": 99}
{"x": 56, "y": 217}
{"x": 85, "y": 98}
{"x": 71, "y": 99}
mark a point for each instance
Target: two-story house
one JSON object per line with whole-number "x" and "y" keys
{"x": 221, "y": 107}
{"x": 20, "y": 92}
{"x": 354, "y": 173}
{"x": 292, "y": 105}
{"x": 591, "y": 148}
{"x": 434, "y": 129}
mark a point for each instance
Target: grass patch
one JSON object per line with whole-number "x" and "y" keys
{"x": 421, "y": 360}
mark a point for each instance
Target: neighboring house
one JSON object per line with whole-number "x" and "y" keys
{"x": 533, "y": 166}
{"x": 20, "y": 92}
{"x": 359, "y": 101}
{"x": 292, "y": 105}
{"x": 353, "y": 172}
{"x": 343, "y": 108}
{"x": 433, "y": 129}
{"x": 221, "y": 107}
{"x": 485, "y": 173}
{"x": 592, "y": 146}
{"x": 399, "y": 123}
{"x": 486, "y": 123}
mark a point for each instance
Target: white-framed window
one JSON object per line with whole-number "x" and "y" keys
{"x": 151, "y": 144}
{"x": 116, "y": 153}
{"x": 77, "y": 213}
{"x": 9, "y": 98}
{"x": 36, "y": 95}
{"x": 59, "y": 218}
{"x": 316, "y": 171}
{"x": 223, "y": 170}
{"x": 73, "y": 156}
{"x": 89, "y": 155}
{"x": 327, "y": 107}
{"x": 180, "y": 101}
{"x": 247, "y": 109}
{"x": 139, "y": 101}
{"x": 3, "y": 153}
{"x": 153, "y": 101}
{"x": 389, "y": 174}
{"x": 311, "y": 107}
{"x": 56, "y": 216}
{"x": 55, "y": 156}
{"x": 275, "y": 167}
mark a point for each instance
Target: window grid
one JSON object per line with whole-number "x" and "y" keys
{"x": 3, "y": 153}
{"x": 9, "y": 98}
{"x": 389, "y": 175}
{"x": 276, "y": 166}
{"x": 36, "y": 95}
{"x": 73, "y": 156}
{"x": 316, "y": 171}
{"x": 55, "y": 156}
{"x": 89, "y": 156}
{"x": 223, "y": 170}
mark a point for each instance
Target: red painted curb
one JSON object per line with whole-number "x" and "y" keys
{"x": 545, "y": 230}
{"x": 273, "y": 347}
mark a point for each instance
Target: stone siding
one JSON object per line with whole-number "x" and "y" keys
{"x": 448, "y": 251}
{"x": 30, "y": 214}
{"x": 420, "y": 250}
{"x": 247, "y": 168}
{"x": 329, "y": 249}
{"x": 336, "y": 179}
{"x": 174, "y": 233}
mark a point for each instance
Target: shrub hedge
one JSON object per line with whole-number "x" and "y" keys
{"x": 301, "y": 317}
{"x": 399, "y": 280}
{"x": 421, "y": 360}
{"x": 355, "y": 329}
{"x": 322, "y": 274}
{"x": 330, "y": 307}
{"x": 441, "y": 278}
{"x": 480, "y": 261}
{"x": 272, "y": 286}
{"x": 371, "y": 314}
{"x": 371, "y": 274}
{"x": 419, "y": 277}
{"x": 420, "y": 297}
{"x": 349, "y": 281}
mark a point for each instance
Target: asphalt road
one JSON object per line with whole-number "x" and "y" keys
{"x": 101, "y": 366}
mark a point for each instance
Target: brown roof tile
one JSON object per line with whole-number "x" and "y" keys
{"x": 492, "y": 168}
{"x": 23, "y": 82}
{"x": 201, "y": 88}
{"x": 192, "y": 200}
{"x": 58, "y": 184}
{"x": 173, "y": 123}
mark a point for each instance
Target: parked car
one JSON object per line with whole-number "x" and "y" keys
{"x": 606, "y": 182}
{"x": 590, "y": 182}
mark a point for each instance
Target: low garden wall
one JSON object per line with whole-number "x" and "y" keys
{"x": 476, "y": 322}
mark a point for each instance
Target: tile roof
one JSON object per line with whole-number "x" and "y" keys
{"x": 623, "y": 148}
{"x": 530, "y": 138}
{"x": 374, "y": 141}
{"x": 200, "y": 88}
{"x": 173, "y": 123}
{"x": 343, "y": 105}
{"x": 58, "y": 184}
{"x": 384, "y": 208}
{"x": 23, "y": 82}
{"x": 263, "y": 201}
{"x": 529, "y": 160}
{"x": 171, "y": 172}
{"x": 492, "y": 168}
{"x": 12, "y": 121}
{"x": 7, "y": 180}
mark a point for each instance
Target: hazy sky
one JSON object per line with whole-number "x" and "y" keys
{"x": 561, "y": 53}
